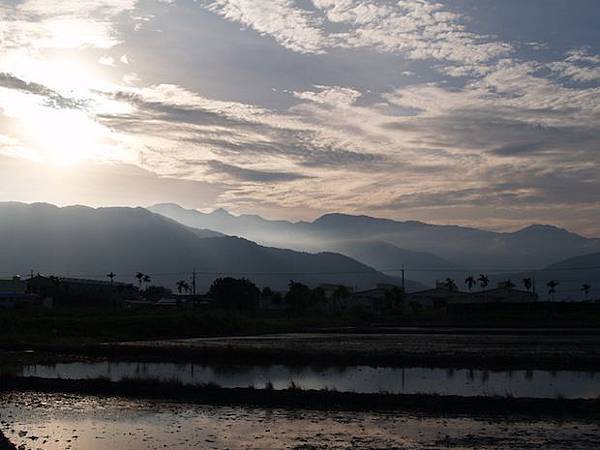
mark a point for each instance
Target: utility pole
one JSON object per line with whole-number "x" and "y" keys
{"x": 194, "y": 282}
{"x": 403, "y": 278}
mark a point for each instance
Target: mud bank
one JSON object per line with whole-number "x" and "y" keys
{"x": 294, "y": 398}
{"x": 512, "y": 349}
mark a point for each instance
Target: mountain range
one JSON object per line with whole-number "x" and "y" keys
{"x": 168, "y": 242}
{"x": 427, "y": 252}
{"x": 86, "y": 242}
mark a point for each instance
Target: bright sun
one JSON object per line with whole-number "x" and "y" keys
{"x": 68, "y": 132}
{"x": 66, "y": 136}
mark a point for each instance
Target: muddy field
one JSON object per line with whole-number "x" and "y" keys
{"x": 58, "y": 421}
{"x": 445, "y": 348}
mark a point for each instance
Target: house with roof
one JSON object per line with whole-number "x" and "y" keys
{"x": 14, "y": 294}
{"x": 437, "y": 297}
{"x": 505, "y": 292}
{"x": 82, "y": 292}
{"x": 375, "y": 299}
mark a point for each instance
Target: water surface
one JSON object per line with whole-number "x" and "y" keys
{"x": 362, "y": 379}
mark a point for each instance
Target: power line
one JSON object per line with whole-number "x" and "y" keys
{"x": 405, "y": 269}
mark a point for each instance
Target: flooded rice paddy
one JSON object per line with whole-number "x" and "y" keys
{"x": 361, "y": 379}
{"x": 72, "y": 422}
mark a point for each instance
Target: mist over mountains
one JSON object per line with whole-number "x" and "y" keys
{"x": 428, "y": 252}
{"x": 85, "y": 242}
{"x": 168, "y": 242}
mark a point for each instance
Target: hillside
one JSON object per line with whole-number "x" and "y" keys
{"x": 387, "y": 258}
{"x": 85, "y": 242}
{"x": 571, "y": 274}
{"x": 475, "y": 250}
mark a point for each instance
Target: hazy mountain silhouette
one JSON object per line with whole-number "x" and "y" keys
{"x": 571, "y": 274}
{"x": 385, "y": 257}
{"x": 534, "y": 247}
{"x": 88, "y": 242}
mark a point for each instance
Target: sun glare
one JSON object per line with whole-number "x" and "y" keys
{"x": 66, "y": 136}
{"x": 62, "y": 134}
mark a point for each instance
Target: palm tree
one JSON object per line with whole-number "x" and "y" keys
{"x": 483, "y": 280}
{"x": 508, "y": 284}
{"x": 552, "y": 288}
{"x": 586, "y": 289}
{"x": 528, "y": 283}
{"x": 450, "y": 284}
{"x": 146, "y": 279}
{"x": 112, "y": 276}
{"x": 470, "y": 282}
{"x": 181, "y": 285}
{"x": 140, "y": 278}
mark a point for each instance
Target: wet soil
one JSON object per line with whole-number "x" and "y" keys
{"x": 45, "y": 421}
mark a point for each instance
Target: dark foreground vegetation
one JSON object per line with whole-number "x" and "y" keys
{"x": 93, "y": 325}
{"x": 567, "y": 340}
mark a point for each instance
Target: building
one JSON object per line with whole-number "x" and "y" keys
{"x": 441, "y": 296}
{"x": 82, "y": 292}
{"x": 383, "y": 296}
{"x": 504, "y": 293}
{"x": 14, "y": 294}
{"x": 437, "y": 297}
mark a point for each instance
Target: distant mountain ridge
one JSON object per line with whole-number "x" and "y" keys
{"x": 85, "y": 242}
{"x": 534, "y": 247}
{"x": 571, "y": 274}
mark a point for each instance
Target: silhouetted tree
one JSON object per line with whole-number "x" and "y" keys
{"x": 552, "y": 284}
{"x": 340, "y": 295}
{"x": 274, "y": 297}
{"x": 182, "y": 286}
{"x": 470, "y": 282}
{"x": 484, "y": 280}
{"x": 527, "y": 283}
{"x": 112, "y": 276}
{"x": 297, "y": 296}
{"x": 394, "y": 298}
{"x": 234, "y": 293}
{"x": 318, "y": 297}
{"x": 146, "y": 279}
{"x": 508, "y": 284}
{"x": 140, "y": 278}
{"x": 450, "y": 285}
{"x": 585, "y": 288}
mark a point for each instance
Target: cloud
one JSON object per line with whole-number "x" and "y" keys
{"x": 61, "y": 24}
{"x": 252, "y": 175}
{"x": 53, "y": 98}
{"x": 292, "y": 27}
{"x": 100, "y": 184}
{"x": 579, "y": 65}
{"x": 415, "y": 28}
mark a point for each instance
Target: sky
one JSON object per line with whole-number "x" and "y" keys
{"x": 474, "y": 112}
